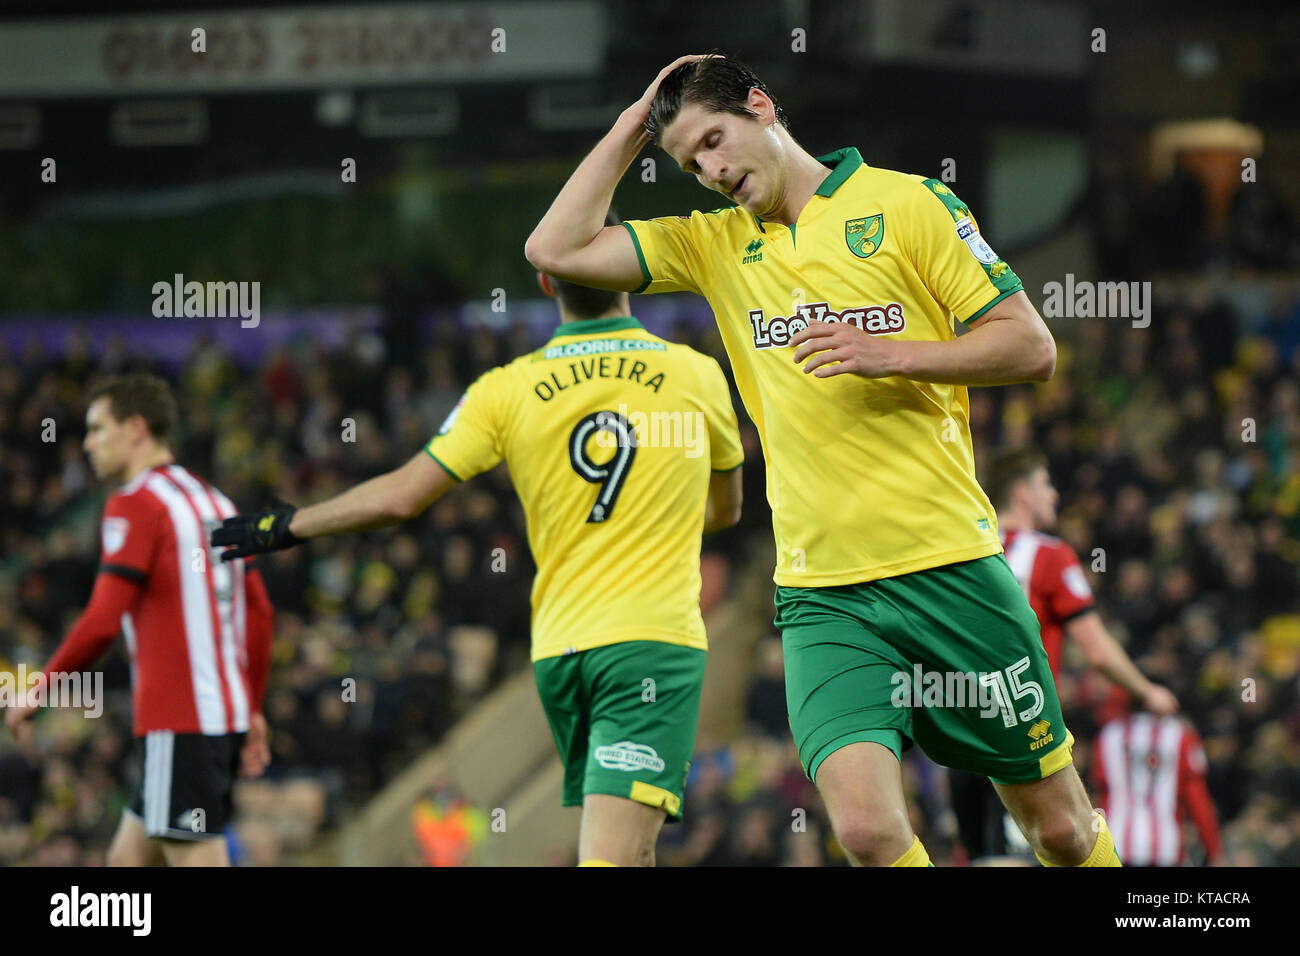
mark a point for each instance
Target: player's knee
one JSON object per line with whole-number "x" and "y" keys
{"x": 873, "y": 839}
{"x": 1063, "y": 840}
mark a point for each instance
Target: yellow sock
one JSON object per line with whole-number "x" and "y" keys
{"x": 596, "y": 863}
{"x": 915, "y": 856}
{"x": 1103, "y": 852}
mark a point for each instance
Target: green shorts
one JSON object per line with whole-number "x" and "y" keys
{"x": 950, "y": 657}
{"x": 624, "y": 717}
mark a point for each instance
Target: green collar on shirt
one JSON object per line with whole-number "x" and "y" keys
{"x": 843, "y": 163}
{"x": 596, "y": 326}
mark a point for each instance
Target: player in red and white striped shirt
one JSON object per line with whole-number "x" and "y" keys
{"x": 198, "y": 632}
{"x": 1021, "y": 491}
{"x": 1149, "y": 773}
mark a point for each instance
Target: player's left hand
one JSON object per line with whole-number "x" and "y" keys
{"x": 854, "y": 350}
{"x": 1160, "y": 700}
{"x": 255, "y": 755}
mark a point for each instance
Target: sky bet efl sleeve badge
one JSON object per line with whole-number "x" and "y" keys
{"x": 114, "y": 534}
{"x": 981, "y": 250}
{"x": 865, "y": 236}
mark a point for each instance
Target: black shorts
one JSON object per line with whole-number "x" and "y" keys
{"x": 185, "y": 790}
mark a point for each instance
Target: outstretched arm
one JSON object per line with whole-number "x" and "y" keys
{"x": 386, "y": 500}
{"x": 1105, "y": 653}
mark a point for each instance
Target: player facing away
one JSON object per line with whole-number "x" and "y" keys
{"x": 834, "y": 286}
{"x": 1149, "y": 772}
{"x": 198, "y": 632}
{"x": 623, "y": 449}
{"x": 1049, "y": 572}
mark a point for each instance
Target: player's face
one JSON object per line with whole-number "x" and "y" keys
{"x": 107, "y": 441}
{"x": 738, "y": 156}
{"x": 1043, "y": 497}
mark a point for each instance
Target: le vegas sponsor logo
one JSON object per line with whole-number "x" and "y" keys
{"x": 777, "y": 331}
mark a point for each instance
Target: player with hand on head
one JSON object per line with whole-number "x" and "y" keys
{"x": 835, "y": 286}
{"x": 198, "y": 632}
{"x": 615, "y": 516}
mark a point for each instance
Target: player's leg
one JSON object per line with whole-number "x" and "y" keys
{"x": 187, "y": 789}
{"x": 846, "y": 727}
{"x": 1059, "y": 821}
{"x": 559, "y": 687}
{"x": 618, "y": 831}
{"x": 643, "y": 706}
{"x": 971, "y": 625}
{"x": 210, "y": 851}
{"x": 131, "y": 846}
{"x": 862, "y": 785}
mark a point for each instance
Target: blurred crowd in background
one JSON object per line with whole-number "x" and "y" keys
{"x": 1175, "y": 449}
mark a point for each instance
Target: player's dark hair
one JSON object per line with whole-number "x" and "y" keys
{"x": 718, "y": 83}
{"x": 1008, "y": 468}
{"x": 143, "y": 394}
{"x": 583, "y": 302}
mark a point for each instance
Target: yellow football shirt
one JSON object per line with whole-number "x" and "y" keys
{"x": 867, "y": 478}
{"x": 610, "y": 434}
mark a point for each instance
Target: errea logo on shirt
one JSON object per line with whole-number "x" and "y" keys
{"x": 776, "y": 332}
{"x": 752, "y": 253}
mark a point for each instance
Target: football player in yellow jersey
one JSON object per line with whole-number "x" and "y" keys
{"x": 624, "y": 449}
{"x": 835, "y": 286}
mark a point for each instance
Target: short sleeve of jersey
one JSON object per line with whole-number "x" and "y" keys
{"x": 128, "y": 536}
{"x": 725, "y": 450}
{"x": 469, "y": 441}
{"x": 668, "y": 251}
{"x": 1069, "y": 594}
{"x": 958, "y": 266}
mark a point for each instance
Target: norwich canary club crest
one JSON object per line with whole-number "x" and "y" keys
{"x": 864, "y": 236}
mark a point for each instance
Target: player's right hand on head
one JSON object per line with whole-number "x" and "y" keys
{"x": 648, "y": 97}
{"x": 255, "y": 533}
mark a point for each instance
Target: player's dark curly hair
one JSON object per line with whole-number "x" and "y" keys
{"x": 583, "y": 302}
{"x": 139, "y": 393}
{"x": 719, "y": 83}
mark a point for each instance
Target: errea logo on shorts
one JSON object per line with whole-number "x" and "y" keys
{"x": 626, "y": 755}
{"x": 777, "y": 331}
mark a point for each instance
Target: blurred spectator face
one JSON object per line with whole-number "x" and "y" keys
{"x": 109, "y": 442}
